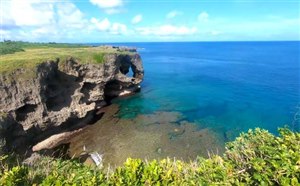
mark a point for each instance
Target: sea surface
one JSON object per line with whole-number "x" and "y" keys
{"x": 221, "y": 85}
{"x": 216, "y": 89}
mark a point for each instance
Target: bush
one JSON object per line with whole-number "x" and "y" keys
{"x": 72, "y": 173}
{"x": 15, "y": 176}
{"x": 261, "y": 158}
{"x": 254, "y": 158}
{"x": 10, "y": 47}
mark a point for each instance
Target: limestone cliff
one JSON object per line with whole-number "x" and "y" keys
{"x": 63, "y": 94}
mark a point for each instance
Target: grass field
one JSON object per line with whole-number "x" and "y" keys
{"x": 28, "y": 56}
{"x": 10, "y": 47}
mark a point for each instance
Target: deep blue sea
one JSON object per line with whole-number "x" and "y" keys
{"x": 224, "y": 86}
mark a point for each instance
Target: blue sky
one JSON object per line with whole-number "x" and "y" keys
{"x": 147, "y": 21}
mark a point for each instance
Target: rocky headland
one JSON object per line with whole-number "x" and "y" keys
{"x": 58, "y": 95}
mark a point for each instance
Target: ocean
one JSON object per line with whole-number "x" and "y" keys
{"x": 211, "y": 89}
{"x": 221, "y": 85}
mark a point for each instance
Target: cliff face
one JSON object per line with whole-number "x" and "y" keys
{"x": 61, "y": 95}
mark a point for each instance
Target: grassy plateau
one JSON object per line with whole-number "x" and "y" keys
{"x": 17, "y": 55}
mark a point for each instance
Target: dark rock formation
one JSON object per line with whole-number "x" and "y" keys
{"x": 62, "y": 96}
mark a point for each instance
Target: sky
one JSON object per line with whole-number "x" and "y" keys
{"x": 100, "y": 21}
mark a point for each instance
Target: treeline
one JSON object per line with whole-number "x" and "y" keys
{"x": 254, "y": 158}
{"x": 10, "y": 47}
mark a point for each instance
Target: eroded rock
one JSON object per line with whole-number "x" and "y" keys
{"x": 61, "y": 95}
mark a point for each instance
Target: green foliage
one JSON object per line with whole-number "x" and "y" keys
{"x": 8, "y": 47}
{"x": 254, "y": 158}
{"x": 262, "y": 158}
{"x": 15, "y": 176}
{"x": 99, "y": 58}
{"x": 34, "y": 54}
{"x": 72, "y": 173}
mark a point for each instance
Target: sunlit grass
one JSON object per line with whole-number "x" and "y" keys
{"x": 31, "y": 57}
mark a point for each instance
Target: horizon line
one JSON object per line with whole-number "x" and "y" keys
{"x": 99, "y": 42}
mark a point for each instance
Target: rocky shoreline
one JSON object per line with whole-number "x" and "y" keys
{"x": 62, "y": 97}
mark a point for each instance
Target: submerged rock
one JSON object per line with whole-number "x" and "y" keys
{"x": 151, "y": 136}
{"x": 62, "y": 95}
{"x": 159, "y": 150}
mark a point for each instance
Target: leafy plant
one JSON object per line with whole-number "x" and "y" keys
{"x": 255, "y": 158}
{"x": 17, "y": 176}
{"x": 9, "y": 47}
{"x": 262, "y": 158}
{"x": 99, "y": 58}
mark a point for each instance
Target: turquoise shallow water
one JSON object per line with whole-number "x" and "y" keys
{"x": 228, "y": 87}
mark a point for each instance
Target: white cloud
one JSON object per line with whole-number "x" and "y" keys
{"x": 41, "y": 20}
{"x": 106, "y": 26}
{"x": 118, "y": 28}
{"x": 173, "y": 14}
{"x": 109, "y": 6}
{"x": 107, "y": 3}
{"x": 167, "y": 30}
{"x": 103, "y": 25}
{"x": 43, "y": 32}
{"x": 31, "y": 12}
{"x": 136, "y": 19}
{"x": 113, "y": 10}
{"x": 70, "y": 16}
{"x": 36, "y": 13}
{"x": 203, "y": 17}
{"x": 7, "y": 21}
{"x": 4, "y": 34}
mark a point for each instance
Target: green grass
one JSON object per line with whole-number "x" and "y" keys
{"x": 34, "y": 54}
{"x": 10, "y": 47}
{"x": 99, "y": 58}
{"x": 254, "y": 158}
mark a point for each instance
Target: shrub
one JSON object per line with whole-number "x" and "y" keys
{"x": 261, "y": 158}
{"x": 72, "y": 173}
{"x": 255, "y": 158}
{"x": 9, "y": 47}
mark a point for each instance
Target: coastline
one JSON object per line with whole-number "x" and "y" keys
{"x": 43, "y": 98}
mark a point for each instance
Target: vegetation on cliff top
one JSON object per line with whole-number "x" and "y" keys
{"x": 10, "y": 47}
{"x": 254, "y": 158}
{"x": 17, "y": 55}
